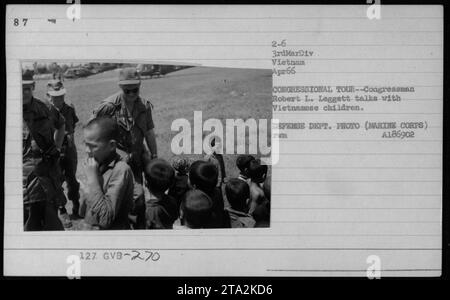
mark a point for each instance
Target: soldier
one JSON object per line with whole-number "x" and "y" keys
{"x": 56, "y": 94}
{"x": 43, "y": 133}
{"x": 134, "y": 117}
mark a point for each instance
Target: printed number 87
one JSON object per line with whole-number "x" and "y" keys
{"x": 17, "y": 22}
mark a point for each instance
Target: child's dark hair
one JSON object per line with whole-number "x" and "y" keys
{"x": 256, "y": 171}
{"x": 109, "y": 129}
{"x": 196, "y": 208}
{"x": 181, "y": 164}
{"x": 237, "y": 192}
{"x": 203, "y": 175}
{"x": 243, "y": 162}
{"x": 159, "y": 175}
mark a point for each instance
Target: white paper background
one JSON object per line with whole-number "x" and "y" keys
{"x": 337, "y": 197}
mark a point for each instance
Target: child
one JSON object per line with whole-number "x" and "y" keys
{"x": 196, "y": 210}
{"x": 238, "y": 192}
{"x": 109, "y": 180}
{"x": 257, "y": 173}
{"x": 261, "y": 214}
{"x": 180, "y": 186}
{"x": 216, "y": 158}
{"x": 243, "y": 162}
{"x": 161, "y": 212}
{"x": 203, "y": 176}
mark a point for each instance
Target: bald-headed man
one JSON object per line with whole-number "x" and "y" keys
{"x": 133, "y": 114}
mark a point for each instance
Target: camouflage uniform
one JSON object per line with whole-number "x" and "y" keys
{"x": 69, "y": 159}
{"x": 42, "y": 192}
{"x": 132, "y": 134}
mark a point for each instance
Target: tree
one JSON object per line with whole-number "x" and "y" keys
{"x": 64, "y": 68}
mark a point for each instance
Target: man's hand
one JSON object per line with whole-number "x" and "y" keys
{"x": 91, "y": 170}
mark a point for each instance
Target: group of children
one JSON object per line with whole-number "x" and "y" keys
{"x": 184, "y": 194}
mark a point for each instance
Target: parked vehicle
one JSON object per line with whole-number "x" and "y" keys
{"x": 149, "y": 70}
{"x": 77, "y": 73}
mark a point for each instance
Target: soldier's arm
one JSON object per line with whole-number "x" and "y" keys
{"x": 59, "y": 136}
{"x": 150, "y": 138}
{"x": 75, "y": 117}
{"x": 60, "y": 127}
{"x": 75, "y": 120}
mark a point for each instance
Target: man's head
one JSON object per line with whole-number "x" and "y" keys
{"x": 238, "y": 193}
{"x": 100, "y": 137}
{"x": 196, "y": 209}
{"x": 56, "y": 92}
{"x": 27, "y": 86}
{"x": 256, "y": 171}
{"x": 203, "y": 175}
{"x": 243, "y": 162}
{"x": 130, "y": 83}
{"x": 159, "y": 175}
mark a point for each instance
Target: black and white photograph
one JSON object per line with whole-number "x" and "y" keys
{"x": 126, "y": 146}
{"x": 225, "y": 140}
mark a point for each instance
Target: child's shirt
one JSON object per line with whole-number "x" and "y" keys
{"x": 161, "y": 213}
{"x": 108, "y": 205}
{"x": 239, "y": 219}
